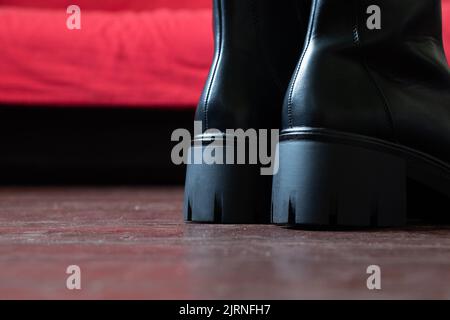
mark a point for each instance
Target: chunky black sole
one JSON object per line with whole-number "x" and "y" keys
{"x": 328, "y": 178}
{"x": 226, "y": 193}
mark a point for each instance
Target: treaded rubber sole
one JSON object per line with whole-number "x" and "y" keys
{"x": 329, "y": 179}
{"x": 226, "y": 193}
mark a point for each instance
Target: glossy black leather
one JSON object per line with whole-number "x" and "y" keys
{"x": 392, "y": 84}
{"x": 256, "y": 50}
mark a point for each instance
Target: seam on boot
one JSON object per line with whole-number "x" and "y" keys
{"x": 299, "y": 65}
{"x": 216, "y": 64}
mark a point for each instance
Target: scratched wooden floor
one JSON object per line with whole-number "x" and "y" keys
{"x": 131, "y": 243}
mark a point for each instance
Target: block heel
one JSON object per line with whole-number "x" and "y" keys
{"x": 226, "y": 193}
{"x": 323, "y": 183}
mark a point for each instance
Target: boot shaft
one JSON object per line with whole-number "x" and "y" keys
{"x": 267, "y": 32}
{"x": 256, "y": 48}
{"x": 374, "y": 82}
{"x": 400, "y": 21}
{"x": 409, "y": 34}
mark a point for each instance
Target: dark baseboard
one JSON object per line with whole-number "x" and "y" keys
{"x": 43, "y": 145}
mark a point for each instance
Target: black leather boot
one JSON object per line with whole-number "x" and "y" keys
{"x": 367, "y": 115}
{"x": 256, "y": 50}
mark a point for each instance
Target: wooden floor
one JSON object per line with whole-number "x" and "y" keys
{"x": 131, "y": 243}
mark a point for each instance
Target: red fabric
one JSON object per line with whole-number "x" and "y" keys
{"x": 115, "y": 5}
{"x": 446, "y": 24}
{"x": 154, "y": 58}
{"x": 143, "y": 56}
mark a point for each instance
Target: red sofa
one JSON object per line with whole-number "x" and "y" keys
{"x": 128, "y": 52}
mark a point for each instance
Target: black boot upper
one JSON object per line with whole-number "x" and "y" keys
{"x": 392, "y": 84}
{"x": 256, "y": 49}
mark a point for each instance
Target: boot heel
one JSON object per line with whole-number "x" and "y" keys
{"x": 332, "y": 184}
{"x": 226, "y": 193}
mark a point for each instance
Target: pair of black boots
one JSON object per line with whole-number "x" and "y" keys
{"x": 361, "y": 89}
